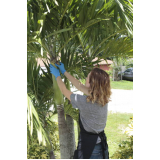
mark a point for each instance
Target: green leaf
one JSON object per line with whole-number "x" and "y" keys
{"x": 56, "y": 32}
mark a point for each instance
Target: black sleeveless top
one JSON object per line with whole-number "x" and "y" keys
{"x": 88, "y": 142}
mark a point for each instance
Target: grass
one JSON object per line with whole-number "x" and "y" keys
{"x": 126, "y": 85}
{"x": 116, "y": 123}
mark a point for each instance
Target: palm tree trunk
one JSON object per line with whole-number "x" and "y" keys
{"x": 66, "y": 148}
{"x": 70, "y": 125}
{"x": 63, "y": 133}
{"x": 71, "y": 138}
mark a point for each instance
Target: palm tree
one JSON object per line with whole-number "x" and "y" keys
{"x": 33, "y": 120}
{"x": 69, "y": 27}
{"x": 40, "y": 99}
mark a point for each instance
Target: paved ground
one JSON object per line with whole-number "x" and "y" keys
{"x": 122, "y": 100}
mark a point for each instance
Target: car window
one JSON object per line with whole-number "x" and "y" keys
{"x": 128, "y": 70}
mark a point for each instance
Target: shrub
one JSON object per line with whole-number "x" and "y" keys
{"x": 129, "y": 129}
{"x": 110, "y": 72}
{"x": 36, "y": 151}
{"x": 129, "y": 63}
{"x": 125, "y": 150}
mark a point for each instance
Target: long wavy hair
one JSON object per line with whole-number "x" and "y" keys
{"x": 100, "y": 89}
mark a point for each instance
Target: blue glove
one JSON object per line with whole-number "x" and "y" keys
{"x": 61, "y": 67}
{"x": 54, "y": 71}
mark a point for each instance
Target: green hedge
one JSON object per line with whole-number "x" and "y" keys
{"x": 36, "y": 151}
{"x": 125, "y": 149}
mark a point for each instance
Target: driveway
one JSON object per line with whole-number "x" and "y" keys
{"x": 122, "y": 100}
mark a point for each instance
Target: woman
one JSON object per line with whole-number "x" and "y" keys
{"x": 93, "y": 107}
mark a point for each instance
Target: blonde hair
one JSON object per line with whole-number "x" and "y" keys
{"x": 100, "y": 89}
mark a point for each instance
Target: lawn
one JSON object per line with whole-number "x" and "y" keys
{"x": 126, "y": 85}
{"x": 116, "y": 123}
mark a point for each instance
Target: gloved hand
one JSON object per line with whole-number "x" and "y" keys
{"x": 61, "y": 67}
{"x": 54, "y": 71}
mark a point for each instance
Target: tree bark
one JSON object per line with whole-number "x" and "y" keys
{"x": 63, "y": 134}
{"x": 70, "y": 125}
{"x": 62, "y": 125}
{"x": 66, "y": 127}
{"x": 71, "y": 138}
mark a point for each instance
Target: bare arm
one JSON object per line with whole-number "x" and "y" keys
{"x": 67, "y": 93}
{"x": 77, "y": 83}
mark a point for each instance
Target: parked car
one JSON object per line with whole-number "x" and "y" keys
{"x": 127, "y": 74}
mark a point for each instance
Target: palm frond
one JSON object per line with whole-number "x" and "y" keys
{"x": 34, "y": 122}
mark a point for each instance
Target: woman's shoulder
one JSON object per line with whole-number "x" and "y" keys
{"x": 78, "y": 97}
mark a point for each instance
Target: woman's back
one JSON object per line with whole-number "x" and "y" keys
{"x": 93, "y": 115}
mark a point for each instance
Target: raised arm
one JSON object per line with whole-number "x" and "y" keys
{"x": 67, "y": 93}
{"x": 77, "y": 83}
{"x": 73, "y": 80}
